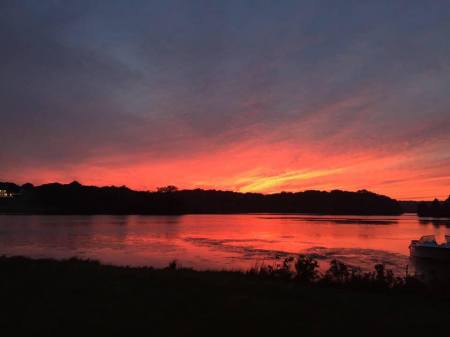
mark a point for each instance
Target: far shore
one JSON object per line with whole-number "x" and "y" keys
{"x": 211, "y": 213}
{"x": 75, "y": 198}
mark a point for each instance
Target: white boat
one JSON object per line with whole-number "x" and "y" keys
{"x": 428, "y": 248}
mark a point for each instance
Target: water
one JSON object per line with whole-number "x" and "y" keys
{"x": 218, "y": 241}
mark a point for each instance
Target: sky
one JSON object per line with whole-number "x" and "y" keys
{"x": 251, "y": 96}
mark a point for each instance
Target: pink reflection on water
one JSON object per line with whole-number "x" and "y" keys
{"x": 216, "y": 241}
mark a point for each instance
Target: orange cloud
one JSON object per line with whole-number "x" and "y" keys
{"x": 268, "y": 168}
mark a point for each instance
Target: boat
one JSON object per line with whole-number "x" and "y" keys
{"x": 427, "y": 248}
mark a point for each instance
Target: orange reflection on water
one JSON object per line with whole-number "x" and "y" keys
{"x": 216, "y": 241}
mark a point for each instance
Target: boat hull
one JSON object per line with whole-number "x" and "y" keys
{"x": 435, "y": 253}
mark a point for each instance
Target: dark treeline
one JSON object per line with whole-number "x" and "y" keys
{"x": 409, "y": 206}
{"x": 75, "y": 198}
{"x": 434, "y": 209}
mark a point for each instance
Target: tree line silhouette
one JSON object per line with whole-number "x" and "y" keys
{"x": 75, "y": 198}
{"x": 434, "y": 209}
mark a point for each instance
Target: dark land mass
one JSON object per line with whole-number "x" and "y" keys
{"x": 75, "y": 198}
{"x": 409, "y": 206}
{"x": 85, "y": 298}
{"x": 436, "y": 209}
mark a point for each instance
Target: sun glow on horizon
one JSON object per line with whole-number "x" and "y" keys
{"x": 245, "y": 168}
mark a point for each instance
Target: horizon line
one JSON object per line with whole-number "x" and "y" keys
{"x": 404, "y": 199}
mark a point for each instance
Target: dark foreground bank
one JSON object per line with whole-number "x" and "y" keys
{"x": 85, "y": 298}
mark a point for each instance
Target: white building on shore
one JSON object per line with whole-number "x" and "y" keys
{"x": 5, "y": 194}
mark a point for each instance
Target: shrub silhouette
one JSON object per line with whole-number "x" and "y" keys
{"x": 277, "y": 270}
{"x": 167, "y": 189}
{"x": 173, "y": 265}
{"x": 303, "y": 269}
{"x": 306, "y": 269}
{"x": 338, "y": 272}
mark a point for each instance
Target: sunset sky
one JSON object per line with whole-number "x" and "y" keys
{"x": 262, "y": 96}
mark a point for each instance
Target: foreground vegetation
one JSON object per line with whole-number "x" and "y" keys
{"x": 85, "y": 298}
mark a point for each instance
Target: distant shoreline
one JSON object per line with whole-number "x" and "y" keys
{"x": 77, "y": 199}
{"x": 211, "y": 213}
{"x": 234, "y": 213}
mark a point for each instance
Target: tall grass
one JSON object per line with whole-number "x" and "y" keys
{"x": 305, "y": 270}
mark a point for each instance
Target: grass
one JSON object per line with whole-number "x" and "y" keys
{"x": 85, "y": 298}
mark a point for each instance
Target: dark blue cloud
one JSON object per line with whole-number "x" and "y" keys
{"x": 81, "y": 78}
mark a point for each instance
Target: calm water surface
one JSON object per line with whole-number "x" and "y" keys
{"x": 218, "y": 241}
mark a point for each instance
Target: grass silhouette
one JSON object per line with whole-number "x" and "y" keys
{"x": 85, "y": 298}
